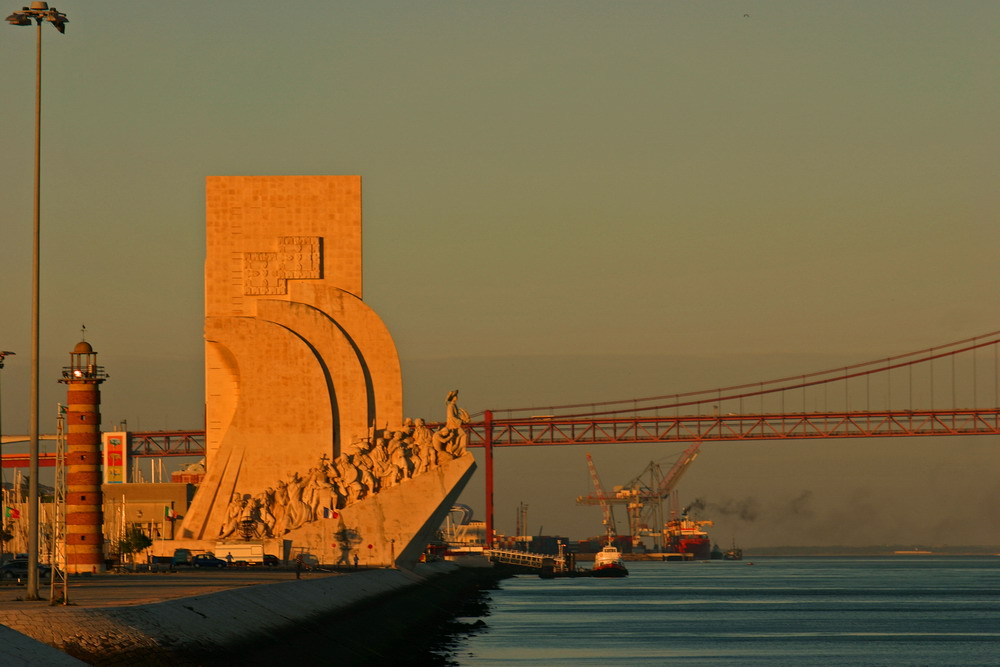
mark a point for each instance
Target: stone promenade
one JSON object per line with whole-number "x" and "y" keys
{"x": 180, "y": 618}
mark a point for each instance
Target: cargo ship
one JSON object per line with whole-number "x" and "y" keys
{"x": 687, "y": 536}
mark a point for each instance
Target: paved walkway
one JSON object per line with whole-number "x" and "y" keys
{"x": 115, "y": 590}
{"x": 125, "y": 619}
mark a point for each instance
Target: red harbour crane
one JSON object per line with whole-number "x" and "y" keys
{"x": 637, "y": 495}
{"x": 602, "y": 498}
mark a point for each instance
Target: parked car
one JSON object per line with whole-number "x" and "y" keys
{"x": 271, "y": 560}
{"x": 181, "y": 557}
{"x": 207, "y": 560}
{"x": 18, "y": 569}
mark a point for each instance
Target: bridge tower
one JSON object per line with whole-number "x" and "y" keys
{"x": 84, "y": 515}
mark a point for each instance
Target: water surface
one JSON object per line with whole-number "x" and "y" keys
{"x": 907, "y": 610}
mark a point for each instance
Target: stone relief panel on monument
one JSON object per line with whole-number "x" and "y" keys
{"x": 301, "y": 256}
{"x": 268, "y": 273}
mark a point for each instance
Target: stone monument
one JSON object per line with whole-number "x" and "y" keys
{"x": 306, "y": 445}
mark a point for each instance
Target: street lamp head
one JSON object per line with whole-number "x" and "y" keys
{"x": 39, "y": 11}
{"x": 57, "y": 19}
{"x": 17, "y": 18}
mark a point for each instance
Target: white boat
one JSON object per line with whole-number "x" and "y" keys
{"x": 608, "y": 563}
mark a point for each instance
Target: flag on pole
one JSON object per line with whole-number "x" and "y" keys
{"x": 329, "y": 513}
{"x": 169, "y": 513}
{"x": 12, "y": 513}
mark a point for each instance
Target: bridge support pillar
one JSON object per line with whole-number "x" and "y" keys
{"x": 488, "y": 445}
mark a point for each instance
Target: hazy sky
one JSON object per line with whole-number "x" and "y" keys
{"x": 563, "y": 201}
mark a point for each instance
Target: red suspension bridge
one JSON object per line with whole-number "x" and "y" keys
{"x": 951, "y": 389}
{"x": 877, "y": 399}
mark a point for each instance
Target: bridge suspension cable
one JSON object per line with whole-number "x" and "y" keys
{"x": 869, "y": 369}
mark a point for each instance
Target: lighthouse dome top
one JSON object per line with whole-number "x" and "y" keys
{"x": 83, "y": 347}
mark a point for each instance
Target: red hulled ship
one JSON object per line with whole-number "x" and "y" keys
{"x": 687, "y": 536}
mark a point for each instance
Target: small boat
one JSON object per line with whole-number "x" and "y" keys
{"x": 734, "y": 554}
{"x": 608, "y": 563}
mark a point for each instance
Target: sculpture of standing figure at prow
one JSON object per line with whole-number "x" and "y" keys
{"x": 452, "y": 438}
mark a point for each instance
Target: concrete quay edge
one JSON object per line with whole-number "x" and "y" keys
{"x": 166, "y": 631}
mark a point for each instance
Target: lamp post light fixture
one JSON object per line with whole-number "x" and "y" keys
{"x": 39, "y": 12}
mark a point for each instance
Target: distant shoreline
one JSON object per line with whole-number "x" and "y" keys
{"x": 819, "y": 551}
{"x": 882, "y": 550}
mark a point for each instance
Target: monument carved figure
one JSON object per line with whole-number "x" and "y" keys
{"x": 233, "y": 514}
{"x": 265, "y": 501}
{"x": 297, "y": 511}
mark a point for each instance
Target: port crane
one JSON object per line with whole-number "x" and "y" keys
{"x": 667, "y": 488}
{"x": 602, "y": 499}
{"x": 637, "y": 495}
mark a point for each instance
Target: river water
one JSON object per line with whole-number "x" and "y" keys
{"x": 906, "y": 610}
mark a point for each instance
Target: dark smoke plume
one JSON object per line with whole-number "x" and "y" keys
{"x": 697, "y": 505}
{"x": 800, "y": 504}
{"x": 745, "y": 509}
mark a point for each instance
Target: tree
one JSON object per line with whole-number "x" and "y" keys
{"x": 134, "y": 541}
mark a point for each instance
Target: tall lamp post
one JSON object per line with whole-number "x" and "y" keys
{"x": 3, "y": 355}
{"x": 38, "y": 12}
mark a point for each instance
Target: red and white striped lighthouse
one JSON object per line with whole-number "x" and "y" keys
{"x": 84, "y": 516}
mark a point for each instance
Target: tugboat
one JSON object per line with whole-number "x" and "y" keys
{"x": 735, "y": 553}
{"x": 608, "y": 563}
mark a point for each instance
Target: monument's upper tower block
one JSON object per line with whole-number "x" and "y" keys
{"x": 266, "y": 233}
